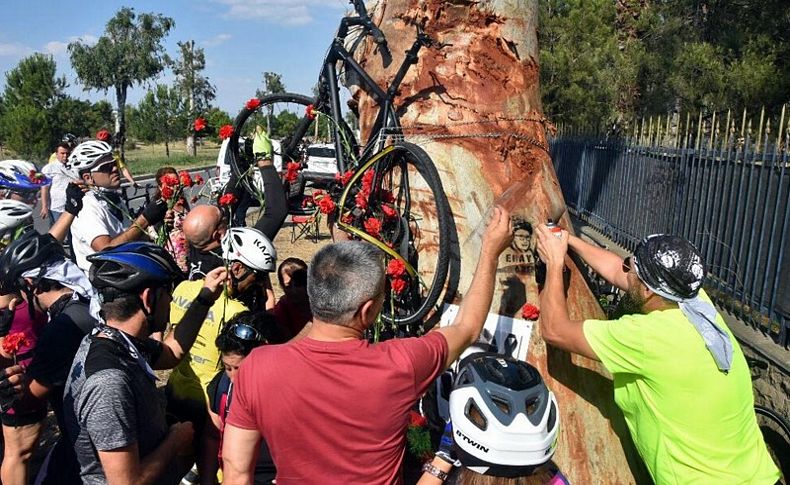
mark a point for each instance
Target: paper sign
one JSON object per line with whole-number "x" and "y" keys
{"x": 505, "y": 333}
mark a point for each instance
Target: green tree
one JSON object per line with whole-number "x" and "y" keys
{"x": 27, "y": 123}
{"x": 160, "y": 117}
{"x": 216, "y": 118}
{"x": 272, "y": 84}
{"x": 195, "y": 88}
{"x": 130, "y": 52}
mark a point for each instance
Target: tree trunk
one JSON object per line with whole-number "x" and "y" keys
{"x": 167, "y": 149}
{"x": 120, "y": 99}
{"x": 474, "y": 106}
{"x": 191, "y": 146}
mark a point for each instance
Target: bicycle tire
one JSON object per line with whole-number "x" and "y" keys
{"x": 419, "y": 304}
{"x": 777, "y": 438}
{"x": 240, "y": 166}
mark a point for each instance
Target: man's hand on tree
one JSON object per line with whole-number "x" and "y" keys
{"x": 552, "y": 249}
{"x": 499, "y": 233}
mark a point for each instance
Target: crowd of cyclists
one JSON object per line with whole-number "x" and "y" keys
{"x": 261, "y": 389}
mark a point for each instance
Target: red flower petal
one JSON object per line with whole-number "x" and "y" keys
{"x": 398, "y": 285}
{"x": 396, "y": 268}
{"x": 530, "y": 311}
{"x": 310, "y": 111}
{"x": 200, "y": 124}
{"x": 252, "y": 104}
{"x": 226, "y": 132}
{"x": 227, "y": 200}
{"x": 372, "y": 226}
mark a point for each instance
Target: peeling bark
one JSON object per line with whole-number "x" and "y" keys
{"x": 474, "y": 106}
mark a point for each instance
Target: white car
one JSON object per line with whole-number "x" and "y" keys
{"x": 224, "y": 170}
{"x": 321, "y": 162}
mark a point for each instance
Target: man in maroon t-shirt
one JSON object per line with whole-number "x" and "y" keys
{"x": 332, "y": 407}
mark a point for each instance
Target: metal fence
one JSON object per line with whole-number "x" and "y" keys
{"x": 729, "y": 195}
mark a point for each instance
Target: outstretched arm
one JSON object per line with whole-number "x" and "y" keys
{"x": 276, "y": 202}
{"x": 180, "y": 340}
{"x": 468, "y": 324}
{"x": 605, "y": 263}
{"x": 556, "y": 327}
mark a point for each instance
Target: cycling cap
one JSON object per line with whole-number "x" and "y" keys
{"x": 21, "y": 176}
{"x": 31, "y": 251}
{"x": 505, "y": 420}
{"x": 13, "y": 214}
{"x": 669, "y": 264}
{"x": 250, "y": 247}
{"x": 89, "y": 154}
{"x": 132, "y": 267}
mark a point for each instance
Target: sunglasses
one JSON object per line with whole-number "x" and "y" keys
{"x": 243, "y": 331}
{"x": 105, "y": 167}
{"x": 627, "y": 265}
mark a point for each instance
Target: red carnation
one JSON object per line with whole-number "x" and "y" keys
{"x": 169, "y": 180}
{"x": 198, "y": 180}
{"x": 308, "y": 201}
{"x": 530, "y": 311}
{"x": 167, "y": 192}
{"x": 398, "y": 285}
{"x": 252, "y": 104}
{"x": 372, "y": 226}
{"x": 14, "y": 342}
{"x": 184, "y": 178}
{"x": 389, "y": 212}
{"x": 310, "y": 111}
{"x": 348, "y": 218}
{"x": 226, "y": 132}
{"x": 200, "y": 124}
{"x": 344, "y": 178}
{"x": 326, "y": 205}
{"x": 292, "y": 171}
{"x": 227, "y": 200}
{"x": 417, "y": 419}
{"x": 396, "y": 268}
{"x": 361, "y": 200}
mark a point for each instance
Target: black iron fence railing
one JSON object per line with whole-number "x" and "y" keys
{"x": 732, "y": 200}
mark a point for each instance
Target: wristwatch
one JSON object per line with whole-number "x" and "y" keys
{"x": 432, "y": 470}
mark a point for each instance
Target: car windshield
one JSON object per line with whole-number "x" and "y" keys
{"x": 321, "y": 152}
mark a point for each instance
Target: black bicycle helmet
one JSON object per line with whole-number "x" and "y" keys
{"x": 505, "y": 419}
{"x": 132, "y": 267}
{"x": 32, "y": 250}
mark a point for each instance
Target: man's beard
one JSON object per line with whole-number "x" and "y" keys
{"x": 629, "y": 304}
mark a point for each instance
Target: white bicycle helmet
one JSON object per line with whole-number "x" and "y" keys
{"x": 89, "y": 154}
{"x": 17, "y": 176}
{"x": 14, "y": 214}
{"x": 249, "y": 247}
{"x": 505, "y": 420}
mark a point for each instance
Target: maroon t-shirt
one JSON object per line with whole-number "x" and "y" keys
{"x": 336, "y": 412}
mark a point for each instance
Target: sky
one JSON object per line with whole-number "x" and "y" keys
{"x": 241, "y": 39}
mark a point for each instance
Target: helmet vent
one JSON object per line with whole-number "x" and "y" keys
{"x": 465, "y": 378}
{"x": 501, "y": 404}
{"x": 532, "y": 405}
{"x": 475, "y": 416}
{"x": 552, "y": 417}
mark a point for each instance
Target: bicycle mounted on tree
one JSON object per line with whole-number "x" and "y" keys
{"x": 392, "y": 181}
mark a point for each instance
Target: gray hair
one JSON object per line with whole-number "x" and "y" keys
{"x": 341, "y": 277}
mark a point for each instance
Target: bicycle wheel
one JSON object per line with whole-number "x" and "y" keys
{"x": 285, "y": 119}
{"x": 776, "y": 433}
{"x": 407, "y": 199}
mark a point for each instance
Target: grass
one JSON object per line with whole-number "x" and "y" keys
{"x": 147, "y": 159}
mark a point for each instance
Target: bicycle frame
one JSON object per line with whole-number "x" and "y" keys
{"x": 329, "y": 90}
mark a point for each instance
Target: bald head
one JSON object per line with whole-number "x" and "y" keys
{"x": 202, "y": 227}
